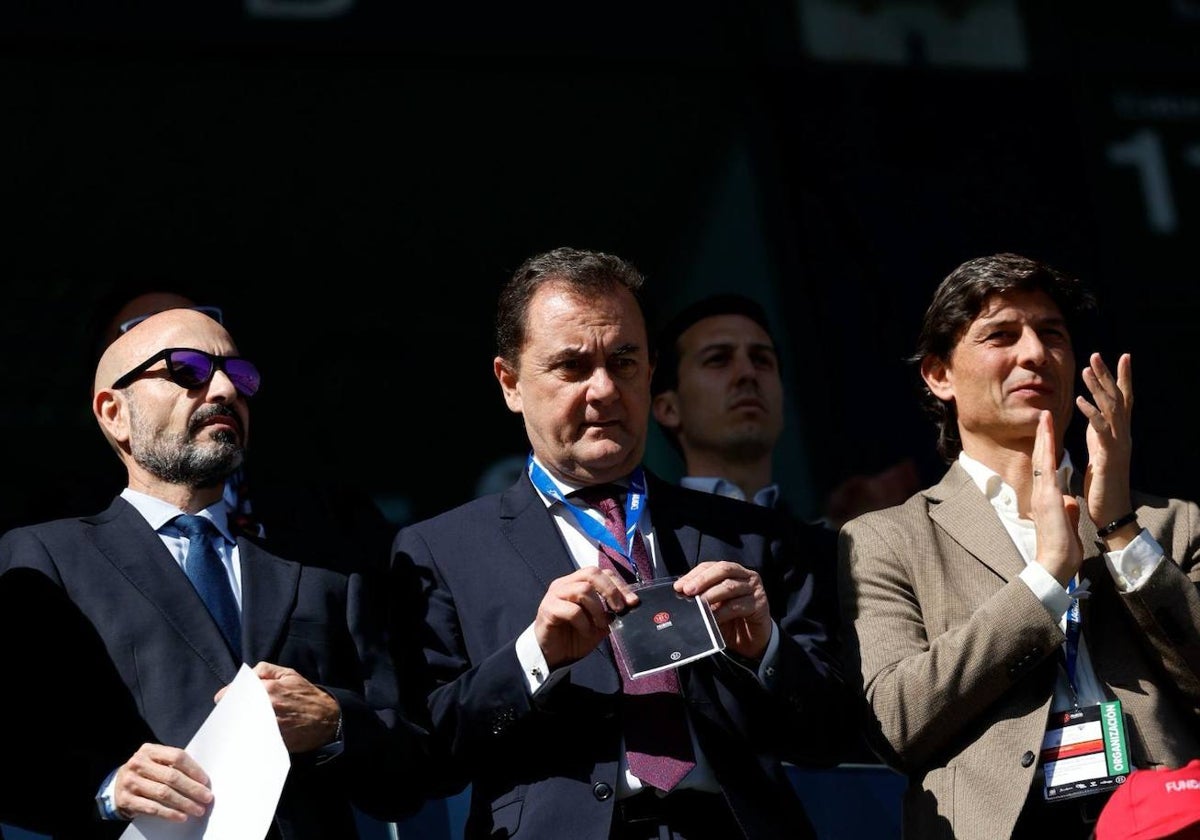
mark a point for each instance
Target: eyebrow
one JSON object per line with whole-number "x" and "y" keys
{"x": 1001, "y": 320}
{"x": 728, "y": 345}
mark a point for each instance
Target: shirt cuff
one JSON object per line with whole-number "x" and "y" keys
{"x": 1132, "y": 565}
{"x": 104, "y": 799}
{"x": 335, "y": 747}
{"x": 766, "y": 668}
{"x": 533, "y": 661}
{"x": 1047, "y": 589}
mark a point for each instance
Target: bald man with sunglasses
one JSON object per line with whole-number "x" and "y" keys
{"x": 102, "y": 619}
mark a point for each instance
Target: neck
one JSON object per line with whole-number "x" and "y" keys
{"x": 187, "y": 499}
{"x": 749, "y": 476}
{"x": 1014, "y": 464}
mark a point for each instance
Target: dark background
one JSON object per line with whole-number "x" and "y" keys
{"x": 353, "y": 180}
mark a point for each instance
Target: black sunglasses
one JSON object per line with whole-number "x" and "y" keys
{"x": 190, "y": 368}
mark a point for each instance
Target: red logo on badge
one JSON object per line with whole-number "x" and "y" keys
{"x": 659, "y": 618}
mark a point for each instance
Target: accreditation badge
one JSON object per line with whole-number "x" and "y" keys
{"x": 1084, "y": 751}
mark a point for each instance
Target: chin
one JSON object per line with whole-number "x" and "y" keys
{"x": 604, "y": 456}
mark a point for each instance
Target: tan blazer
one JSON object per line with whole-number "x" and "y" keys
{"x": 957, "y": 659}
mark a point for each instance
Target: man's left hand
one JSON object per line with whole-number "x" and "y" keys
{"x": 307, "y": 715}
{"x": 738, "y": 601}
{"x": 1109, "y": 440}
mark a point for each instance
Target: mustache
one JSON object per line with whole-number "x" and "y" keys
{"x": 207, "y": 412}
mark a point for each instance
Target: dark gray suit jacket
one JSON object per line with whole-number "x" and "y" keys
{"x": 546, "y": 766}
{"x": 97, "y": 610}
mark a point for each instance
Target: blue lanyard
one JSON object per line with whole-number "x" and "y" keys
{"x": 634, "y": 505}
{"x": 1071, "y": 650}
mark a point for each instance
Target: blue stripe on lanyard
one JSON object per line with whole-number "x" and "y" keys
{"x": 1071, "y": 650}
{"x": 634, "y": 505}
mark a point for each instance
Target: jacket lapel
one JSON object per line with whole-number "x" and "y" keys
{"x": 533, "y": 534}
{"x": 269, "y": 586}
{"x": 129, "y": 543}
{"x": 969, "y": 519}
{"x": 678, "y": 544}
{"x": 529, "y": 527}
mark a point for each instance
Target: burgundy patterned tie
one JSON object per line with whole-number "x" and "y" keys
{"x": 658, "y": 744}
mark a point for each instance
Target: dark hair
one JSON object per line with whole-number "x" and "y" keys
{"x": 666, "y": 374}
{"x": 957, "y": 303}
{"x": 587, "y": 272}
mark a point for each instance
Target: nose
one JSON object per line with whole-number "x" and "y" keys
{"x": 744, "y": 367}
{"x": 221, "y": 387}
{"x": 1031, "y": 348}
{"x": 601, "y": 385}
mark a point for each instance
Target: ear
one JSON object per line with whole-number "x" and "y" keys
{"x": 938, "y": 378}
{"x": 108, "y": 406}
{"x": 507, "y": 377}
{"x": 666, "y": 410}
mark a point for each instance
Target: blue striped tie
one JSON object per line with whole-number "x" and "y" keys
{"x": 207, "y": 573}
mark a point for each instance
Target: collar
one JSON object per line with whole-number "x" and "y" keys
{"x": 566, "y": 488}
{"x": 990, "y": 482}
{"x": 159, "y": 513}
{"x": 766, "y": 497}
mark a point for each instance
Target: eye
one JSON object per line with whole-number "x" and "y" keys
{"x": 1054, "y": 335}
{"x": 623, "y": 366}
{"x": 764, "y": 360}
{"x": 572, "y": 369}
{"x": 191, "y": 374}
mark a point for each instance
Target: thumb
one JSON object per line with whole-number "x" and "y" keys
{"x": 1071, "y": 506}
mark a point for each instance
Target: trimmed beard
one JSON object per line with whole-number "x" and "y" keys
{"x": 181, "y": 459}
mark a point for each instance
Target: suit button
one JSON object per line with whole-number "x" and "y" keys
{"x": 1027, "y": 759}
{"x": 502, "y": 719}
{"x": 602, "y": 791}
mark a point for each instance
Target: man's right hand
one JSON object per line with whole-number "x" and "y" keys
{"x": 1055, "y": 514}
{"x": 575, "y": 612}
{"x": 163, "y": 782}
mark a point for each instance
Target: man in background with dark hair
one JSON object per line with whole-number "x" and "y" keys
{"x": 1025, "y": 631}
{"x": 719, "y": 400}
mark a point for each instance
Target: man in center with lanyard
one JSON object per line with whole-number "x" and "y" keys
{"x": 1026, "y": 631}
{"x": 517, "y": 591}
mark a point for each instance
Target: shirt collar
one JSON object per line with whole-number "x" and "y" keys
{"x": 159, "y": 513}
{"x": 766, "y": 497}
{"x": 990, "y": 483}
{"x": 566, "y": 487}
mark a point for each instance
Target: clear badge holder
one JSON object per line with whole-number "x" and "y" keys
{"x": 664, "y": 630}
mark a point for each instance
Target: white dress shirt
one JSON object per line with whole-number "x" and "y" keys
{"x": 1130, "y": 567}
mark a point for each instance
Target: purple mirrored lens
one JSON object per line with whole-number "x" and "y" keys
{"x": 190, "y": 368}
{"x": 244, "y": 376}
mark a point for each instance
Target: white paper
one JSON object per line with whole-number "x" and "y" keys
{"x": 241, "y": 750}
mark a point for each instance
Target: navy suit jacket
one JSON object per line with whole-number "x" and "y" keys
{"x": 103, "y": 596}
{"x": 546, "y": 765}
